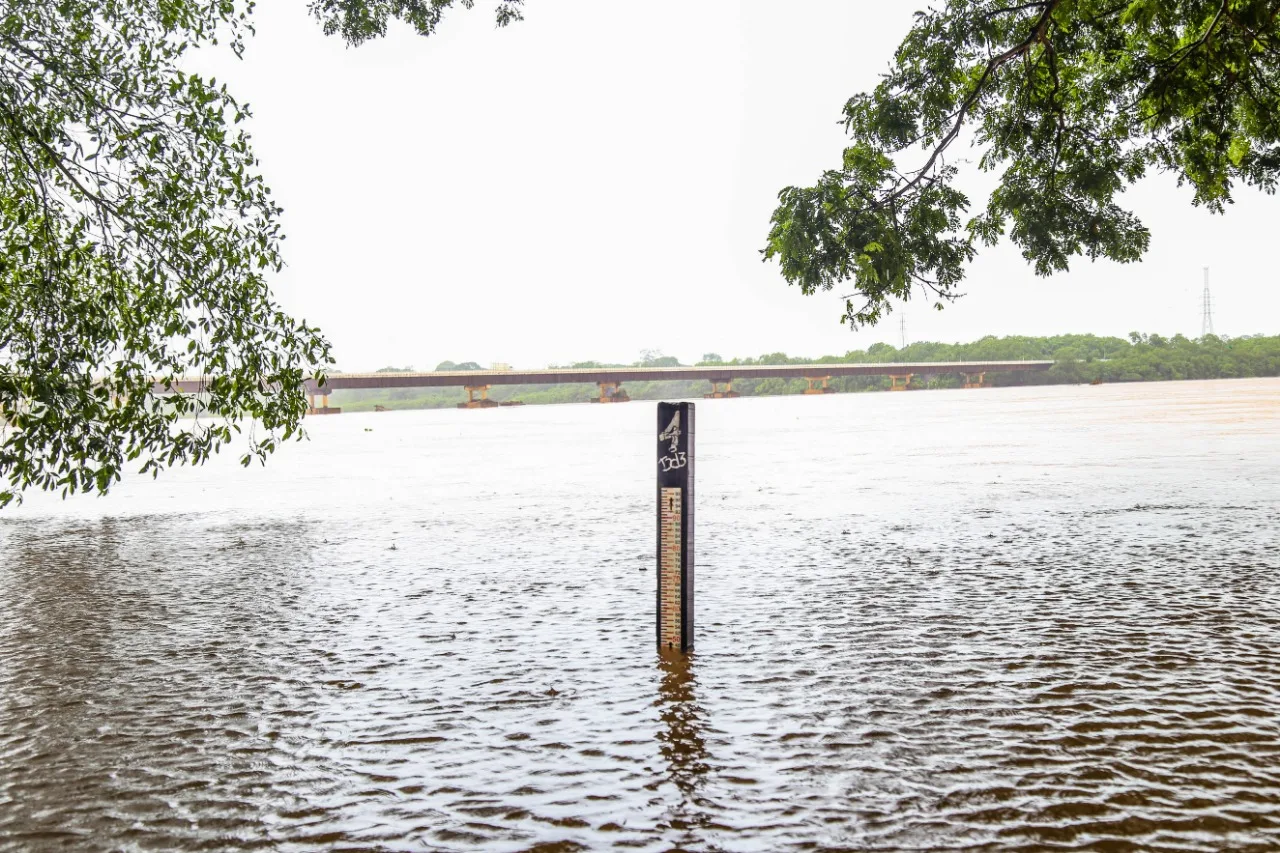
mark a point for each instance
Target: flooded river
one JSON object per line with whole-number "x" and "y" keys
{"x": 1009, "y": 619}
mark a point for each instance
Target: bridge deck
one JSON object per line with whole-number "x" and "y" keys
{"x": 711, "y": 373}
{"x": 720, "y": 373}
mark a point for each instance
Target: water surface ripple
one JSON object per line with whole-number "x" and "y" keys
{"x": 999, "y": 620}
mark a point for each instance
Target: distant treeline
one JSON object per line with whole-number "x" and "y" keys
{"x": 1078, "y": 359}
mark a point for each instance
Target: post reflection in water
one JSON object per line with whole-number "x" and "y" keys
{"x": 682, "y": 743}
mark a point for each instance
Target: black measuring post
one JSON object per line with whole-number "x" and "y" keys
{"x": 675, "y": 527}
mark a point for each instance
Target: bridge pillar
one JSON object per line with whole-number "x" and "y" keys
{"x": 323, "y": 408}
{"x": 979, "y": 382}
{"x": 611, "y": 392}
{"x": 472, "y": 403}
{"x": 900, "y": 382}
{"x": 717, "y": 393}
{"x": 815, "y": 388}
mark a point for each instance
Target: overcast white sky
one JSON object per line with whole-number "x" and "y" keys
{"x": 598, "y": 180}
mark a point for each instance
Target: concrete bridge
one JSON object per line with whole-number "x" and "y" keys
{"x": 610, "y": 379}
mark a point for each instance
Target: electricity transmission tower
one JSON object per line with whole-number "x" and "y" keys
{"x": 1206, "y": 315}
{"x": 902, "y": 324}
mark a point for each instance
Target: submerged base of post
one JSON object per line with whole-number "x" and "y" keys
{"x": 675, "y": 527}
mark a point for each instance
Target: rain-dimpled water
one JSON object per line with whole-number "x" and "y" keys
{"x": 1015, "y": 619}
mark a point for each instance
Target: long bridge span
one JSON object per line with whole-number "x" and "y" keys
{"x": 610, "y": 379}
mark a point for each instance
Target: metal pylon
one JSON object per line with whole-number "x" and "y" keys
{"x": 1206, "y": 316}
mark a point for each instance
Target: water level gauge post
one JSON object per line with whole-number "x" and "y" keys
{"x": 675, "y": 527}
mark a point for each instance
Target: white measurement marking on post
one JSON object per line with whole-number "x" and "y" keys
{"x": 669, "y": 601}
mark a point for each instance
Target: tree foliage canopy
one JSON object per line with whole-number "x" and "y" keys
{"x": 357, "y": 21}
{"x": 1070, "y": 101}
{"x": 135, "y": 241}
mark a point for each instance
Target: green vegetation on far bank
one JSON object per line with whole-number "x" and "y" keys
{"x": 1078, "y": 359}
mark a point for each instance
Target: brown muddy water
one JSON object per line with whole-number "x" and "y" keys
{"x": 1011, "y": 619}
